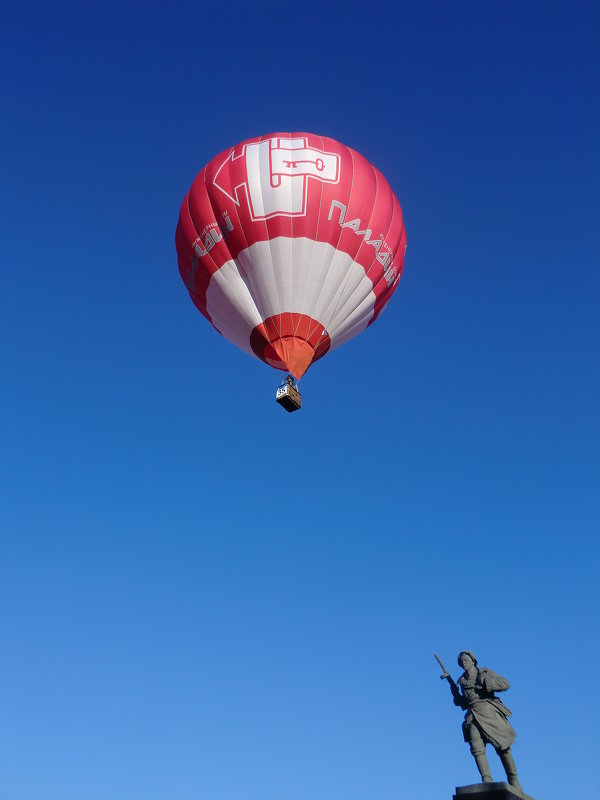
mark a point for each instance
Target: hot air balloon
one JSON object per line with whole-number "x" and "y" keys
{"x": 290, "y": 244}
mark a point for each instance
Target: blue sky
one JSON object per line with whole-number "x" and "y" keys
{"x": 203, "y": 596}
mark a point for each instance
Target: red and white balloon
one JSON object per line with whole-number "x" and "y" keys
{"x": 290, "y": 244}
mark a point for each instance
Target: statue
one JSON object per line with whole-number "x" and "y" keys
{"x": 486, "y": 720}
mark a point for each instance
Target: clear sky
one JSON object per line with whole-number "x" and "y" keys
{"x": 203, "y": 597}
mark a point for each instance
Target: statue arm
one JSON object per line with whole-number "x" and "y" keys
{"x": 493, "y": 682}
{"x": 456, "y": 695}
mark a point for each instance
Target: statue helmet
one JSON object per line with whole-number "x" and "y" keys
{"x": 469, "y": 653}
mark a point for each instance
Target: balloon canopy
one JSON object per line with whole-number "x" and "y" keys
{"x": 290, "y": 244}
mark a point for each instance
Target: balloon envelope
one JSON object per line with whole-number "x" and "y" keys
{"x": 290, "y": 244}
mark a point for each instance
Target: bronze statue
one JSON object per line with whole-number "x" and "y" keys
{"x": 486, "y": 720}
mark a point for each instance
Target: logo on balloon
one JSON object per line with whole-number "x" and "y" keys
{"x": 282, "y": 189}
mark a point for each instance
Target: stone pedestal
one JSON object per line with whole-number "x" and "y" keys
{"x": 490, "y": 791}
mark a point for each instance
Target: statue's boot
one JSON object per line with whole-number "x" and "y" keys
{"x": 508, "y": 762}
{"x": 483, "y": 767}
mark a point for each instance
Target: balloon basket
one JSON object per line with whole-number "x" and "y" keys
{"x": 288, "y": 396}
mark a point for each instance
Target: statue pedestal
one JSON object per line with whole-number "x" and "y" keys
{"x": 490, "y": 791}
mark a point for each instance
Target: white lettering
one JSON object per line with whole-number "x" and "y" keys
{"x": 385, "y": 259}
{"x": 342, "y": 209}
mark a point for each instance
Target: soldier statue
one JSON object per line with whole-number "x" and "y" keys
{"x": 486, "y": 720}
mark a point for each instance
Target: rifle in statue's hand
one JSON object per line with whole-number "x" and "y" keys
{"x": 453, "y": 687}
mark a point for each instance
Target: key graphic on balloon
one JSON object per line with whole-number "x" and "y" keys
{"x": 294, "y": 161}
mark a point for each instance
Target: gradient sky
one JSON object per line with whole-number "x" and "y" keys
{"x": 203, "y": 597}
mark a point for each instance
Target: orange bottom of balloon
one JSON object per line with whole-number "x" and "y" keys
{"x": 290, "y": 342}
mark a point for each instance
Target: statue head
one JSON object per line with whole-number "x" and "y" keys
{"x": 463, "y": 662}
